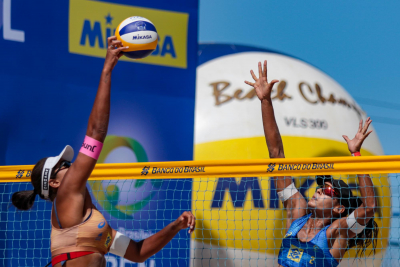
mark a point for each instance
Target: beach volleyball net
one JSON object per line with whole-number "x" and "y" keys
{"x": 239, "y": 218}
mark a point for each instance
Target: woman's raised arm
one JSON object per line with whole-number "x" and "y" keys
{"x": 293, "y": 201}
{"x": 72, "y": 191}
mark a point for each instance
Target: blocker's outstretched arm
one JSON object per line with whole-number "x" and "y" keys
{"x": 365, "y": 183}
{"x": 271, "y": 131}
{"x": 354, "y": 224}
{"x": 295, "y": 204}
{"x": 142, "y": 250}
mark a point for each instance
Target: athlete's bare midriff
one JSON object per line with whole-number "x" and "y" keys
{"x": 92, "y": 260}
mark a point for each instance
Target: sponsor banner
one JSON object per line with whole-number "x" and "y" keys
{"x": 309, "y": 107}
{"x": 227, "y": 168}
{"x": 92, "y": 22}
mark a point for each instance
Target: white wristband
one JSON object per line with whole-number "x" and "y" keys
{"x": 120, "y": 244}
{"x": 286, "y": 193}
{"x": 353, "y": 225}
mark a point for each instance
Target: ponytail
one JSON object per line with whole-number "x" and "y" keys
{"x": 23, "y": 200}
{"x": 365, "y": 238}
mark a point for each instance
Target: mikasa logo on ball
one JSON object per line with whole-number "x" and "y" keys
{"x": 138, "y": 37}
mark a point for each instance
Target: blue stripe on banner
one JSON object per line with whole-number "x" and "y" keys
{"x": 138, "y": 54}
{"x": 137, "y": 26}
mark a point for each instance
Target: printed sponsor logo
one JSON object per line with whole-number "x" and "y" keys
{"x": 9, "y": 31}
{"x": 298, "y": 167}
{"x": 306, "y": 123}
{"x": 20, "y": 174}
{"x": 108, "y": 241}
{"x": 316, "y": 96}
{"x": 295, "y": 253}
{"x": 98, "y": 238}
{"x": 88, "y": 147}
{"x": 186, "y": 169}
{"x": 145, "y": 170}
{"x": 238, "y": 192}
{"x": 288, "y": 234}
{"x": 101, "y": 224}
{"x": 88, "y": 31}
{"x": 271, "y": 167}
{"x": 138, "y": 37}
{"x": 46, "y": 179}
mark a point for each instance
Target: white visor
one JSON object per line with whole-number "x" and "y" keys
{"x": 66, "y": 154}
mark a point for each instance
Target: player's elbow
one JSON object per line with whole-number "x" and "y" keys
{"x": 141, "y": 259}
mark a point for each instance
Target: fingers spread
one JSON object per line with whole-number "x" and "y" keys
{"x": 265, "y": 69}
{"x": 259, "y": 70}
{"x": 366, "y": 125}
{"x": 253, "y": 75}
{"x": 249, "y": 83}
{"x": 365, "y": 136}
{"x": 346, "y": 138}
{"x": 360, "y": 125}
{"x": 273, "y": 82}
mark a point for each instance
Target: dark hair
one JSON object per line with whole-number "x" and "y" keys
{"x": 367, "y": 237}
{"x": 370, "y": 233}
{"x": 23, "y": 200}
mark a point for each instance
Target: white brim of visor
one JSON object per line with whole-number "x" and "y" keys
{"x": 66, "y": 154}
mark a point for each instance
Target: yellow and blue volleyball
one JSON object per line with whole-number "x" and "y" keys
{"x": 139, "y": 34}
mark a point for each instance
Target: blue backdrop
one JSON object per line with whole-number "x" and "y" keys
{"x": 48, "y": 82}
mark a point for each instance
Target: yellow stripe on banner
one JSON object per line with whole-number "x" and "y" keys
{"x": 226, "y": 168}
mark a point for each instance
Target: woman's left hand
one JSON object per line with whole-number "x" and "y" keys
{"x": 356, "y": 143}
{"x": 187, "y": 219}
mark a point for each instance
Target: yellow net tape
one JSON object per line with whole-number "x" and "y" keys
{"x": 226, "y": 168}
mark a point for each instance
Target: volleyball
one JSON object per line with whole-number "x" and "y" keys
{"x": 139, "y": 34}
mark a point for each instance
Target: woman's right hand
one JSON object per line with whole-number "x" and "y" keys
{"x": 114, "y": 52}
{"x": 186, "y": 220}
{"x": 362, "y": 133}
{"x": 261, "y": 85}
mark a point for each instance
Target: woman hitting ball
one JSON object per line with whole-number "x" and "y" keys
{"x": 80, "y": 235}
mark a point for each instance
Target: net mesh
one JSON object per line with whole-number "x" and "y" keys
{"x": 239, "y": 220}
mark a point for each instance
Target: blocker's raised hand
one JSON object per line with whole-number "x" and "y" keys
{"x": 356, "y": 143}
{"x": 261, "y": 85}
{"x": 186, "y": 220}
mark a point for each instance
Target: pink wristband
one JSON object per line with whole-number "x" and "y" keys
{"x": 91, "y": 147}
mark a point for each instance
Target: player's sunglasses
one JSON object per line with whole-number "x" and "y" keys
{"x": 328, "y": 190}
{"x": 64, "y": 164}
